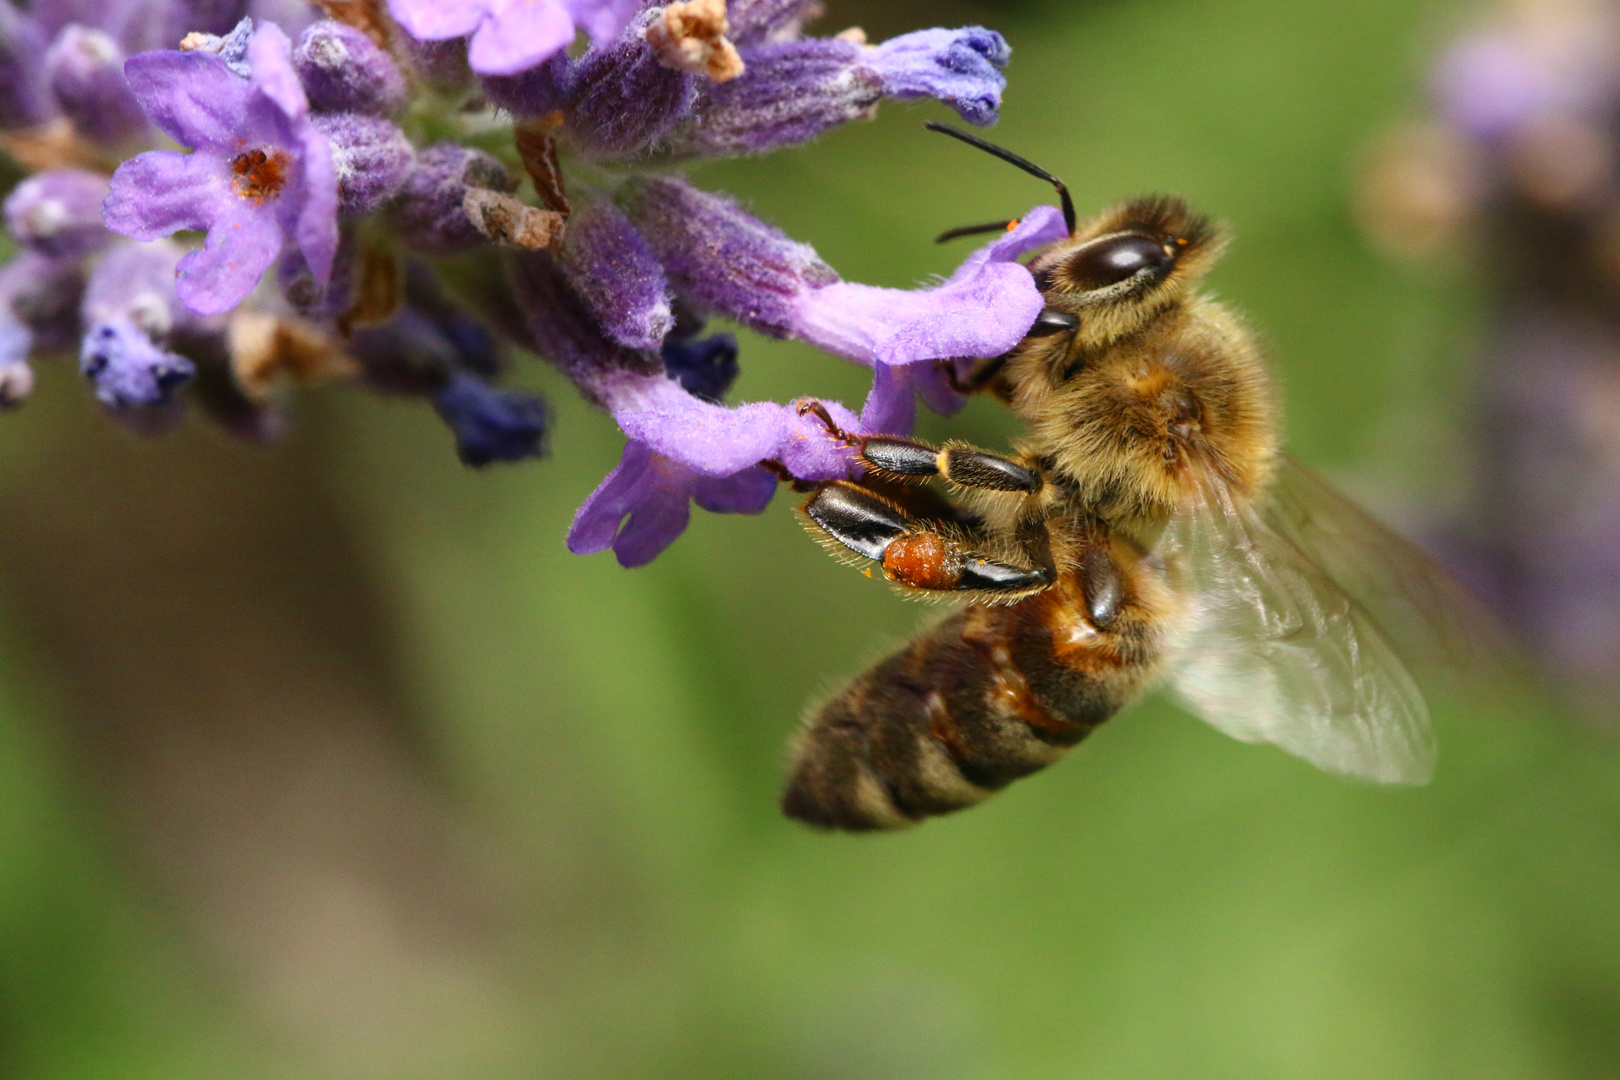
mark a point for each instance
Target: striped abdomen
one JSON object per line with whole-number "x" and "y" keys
{"x": 987, "y": 696}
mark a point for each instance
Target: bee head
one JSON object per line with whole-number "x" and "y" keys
{"x": 1119, "y": 270}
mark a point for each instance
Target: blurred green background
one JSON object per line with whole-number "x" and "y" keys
{"x": 602, "y": 748}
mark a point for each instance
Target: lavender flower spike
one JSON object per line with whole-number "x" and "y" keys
{"x": 260, "y": 176}
{"x": 509, "y": 36}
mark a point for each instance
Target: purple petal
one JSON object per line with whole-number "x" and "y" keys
{"x": 981, "y": 310}
{"x": 958, "y": 67}
{"x": 160, "y": 192}
{"x": 192, "y": 96}
{"x": 748, "y": 492}
{"x": 317, "y": 227}
{"x": 891, "y": 406}
{"x": 603, "y": 20}
{"x": 242, "y": 243}
{"x": 435, "y": 20}
{"x": 596, "y": 522}
{"x": 656, "y": 521}
{"x": 270, "y": 59}
{"x": 519, "y": 34}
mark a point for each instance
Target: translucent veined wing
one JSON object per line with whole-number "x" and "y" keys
{"x": 1305, "y": 619}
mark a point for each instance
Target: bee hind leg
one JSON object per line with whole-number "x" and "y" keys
{"x": 914, "y": 553}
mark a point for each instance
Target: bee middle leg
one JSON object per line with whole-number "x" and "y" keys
{"x": 915, "y": 553}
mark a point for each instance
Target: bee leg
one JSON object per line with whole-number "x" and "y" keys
{"x": 914, "y": 553}
{"x": 908, "y": 459}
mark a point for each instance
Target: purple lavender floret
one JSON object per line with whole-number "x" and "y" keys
{"x": 58, "y": 212}
{"x": 705, "y": 367}
{"x": 961, "y": 68}
{"x": 722, "y": 257}
{"x": 370, "y": 157}
{"x": 492, "y": 425}
{"x": 129, "y": 311}
{"x": 538, "y": 91}
{"x": 260, "y": 176}
{"x": 621, "y": 283}
{"x": 644, "y": 504}
{"x": 755, "y": 22}
{"x": 793, "y": 91}
{"x": 620, "y": 99}
{"x": 428, "y": 211}
{"x": 85, "y": 71}
{"x": 344, "y": 71}
{"x": 509, "y": 36}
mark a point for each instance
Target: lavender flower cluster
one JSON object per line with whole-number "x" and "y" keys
{"x": 1519, "y": 171}
{"x": 350, "y": 202}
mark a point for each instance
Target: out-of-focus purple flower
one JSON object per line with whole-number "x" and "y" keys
{"x": 610, "y": 266}
{"x": 16, "y": 377}
{"x": 1493, "y": 83}
{"x": 509, "y": 36}
{"x": 343, "y": 70}
{"x": 129, "y": 310}
{"x": 260, "y": 175}
{"x": 754, "y": 22}
{"x": 793, "y": 91}
{"x": 370, "y": 158}
{"x": 23, "y": 99}
{"x": 58, "y": 212}
{"x": 492, "y": 425}
{"x": 429, "y": 210}
{"x": 85, "y": 71}
{"x": 705, "y": 367}
{"x": 644, "y": 504}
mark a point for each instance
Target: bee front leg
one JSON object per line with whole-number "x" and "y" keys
{"x": 964, "y": 466}
{"x": 914, "y": 553}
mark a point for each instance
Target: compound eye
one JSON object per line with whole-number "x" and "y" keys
{"x": 1111, "y": 261}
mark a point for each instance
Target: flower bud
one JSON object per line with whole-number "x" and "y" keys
{"x": 621, "y": 98}
{"x": 722, "y": 257}
{"x": 756, "y": 22}
{"x": 370, "y": 156}
{"x": 343, "y": 70}
{"x": 615, "y": 274}
{"x": 59, "y": 212}
{"x": 961, "y": 68}
{"x": 85, "y": 71}
{"x": 492, "y": 425}
{"x": 429, "y": 210}
{"x": 561, "y": 327}
{"x": 539, "y": 92}
{"x": 705, "y": 367}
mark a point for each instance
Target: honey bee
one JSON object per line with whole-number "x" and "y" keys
{"x": 1147, "y": 526}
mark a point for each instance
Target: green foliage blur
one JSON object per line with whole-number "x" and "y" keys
{"x": 1166, "y": 903}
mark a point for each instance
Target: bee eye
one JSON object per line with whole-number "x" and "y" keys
{"x": 1110, "y": 261}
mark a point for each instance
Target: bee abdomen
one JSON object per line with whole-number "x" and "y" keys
{"x": 972, "y": 705}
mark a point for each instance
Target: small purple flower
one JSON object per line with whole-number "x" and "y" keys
{"x": 981, "y": 310}
{"x": 610, "y": 266}
{"x": 260, "y": 175}
{"x": 343, "y": 70}
{"x": 85, "y": 70}
{"x": 792, "y": 91}
{"x": 129, "y": 311}
{"x": 58, "y": 212}
{"x": 509, "y": 36}
{"x": 644, "y": 504}
{"x": 492, "y": 425}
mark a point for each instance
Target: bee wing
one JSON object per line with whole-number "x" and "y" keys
{"x": 1305, "y": 622}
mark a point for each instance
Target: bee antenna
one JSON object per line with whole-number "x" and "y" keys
{"x": 1012, "y": 159}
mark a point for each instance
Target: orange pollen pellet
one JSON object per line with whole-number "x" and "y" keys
{"x": 922, "y": 559}
{"x": 258, "y": 176}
